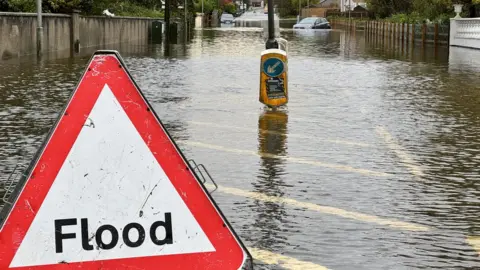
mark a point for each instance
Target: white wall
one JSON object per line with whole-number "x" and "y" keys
{"x": 465, "y": 32}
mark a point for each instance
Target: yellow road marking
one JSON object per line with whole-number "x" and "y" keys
{"x": 474, "y": 241}
{"x": 292, "y": 159}
{"x": 286, "y": 262}
{"x": 282, "y": 134}
{"x": 402, "y": 154}
{"x": 322, "y": 209}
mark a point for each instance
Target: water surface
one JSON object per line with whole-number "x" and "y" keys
{"x": 405, "y": 122}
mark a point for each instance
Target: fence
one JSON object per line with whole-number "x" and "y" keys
{"x": 399, "y": 32}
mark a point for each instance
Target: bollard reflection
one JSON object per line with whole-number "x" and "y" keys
{"x": 166, "y": 49}
{"x": 270, "y": 180}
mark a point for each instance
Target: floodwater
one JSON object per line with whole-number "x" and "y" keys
{"x": 376, "y": 156}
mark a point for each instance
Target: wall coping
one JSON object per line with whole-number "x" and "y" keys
{"x": 465, "y": 19}
{"x": 59, "y": 15}
{"x": 28, "y": 14}
{"x": 122, "y": 17}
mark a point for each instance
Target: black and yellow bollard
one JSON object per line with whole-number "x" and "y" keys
{"x": 273, "y": 78}
{"x": 273, "y": 67}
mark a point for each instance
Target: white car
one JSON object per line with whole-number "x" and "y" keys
{"x": 313, "y": 23}
{"x": 227, "y": 18}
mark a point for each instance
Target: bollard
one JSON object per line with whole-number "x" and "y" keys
{"x": 413, "y": 34}
{"x": 157, "y": 32}
{"x": 273, "y": 67}
{"x": 273, "y": 78}
{"x": 424, "y": 34}
{"x": 199, "y": 20}
{"x": 173, "y": 33}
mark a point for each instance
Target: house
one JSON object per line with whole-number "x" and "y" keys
{"x": 346, "y": 5}
{"x": 256, "y": 3}
{"x": 320, "y": 9}
{"x": 241, "y": 5}
{"x": 361, "y": 3}
{"x": 327, "y": 4}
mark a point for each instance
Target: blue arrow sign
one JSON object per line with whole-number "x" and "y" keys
{"x": 273, "y": 67}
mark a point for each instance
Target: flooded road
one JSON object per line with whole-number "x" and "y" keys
{"x": 374, "y": 163}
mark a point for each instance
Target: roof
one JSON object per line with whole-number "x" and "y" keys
{"x": 326, "y": 3}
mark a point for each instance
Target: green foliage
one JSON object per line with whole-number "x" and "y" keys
{"x": 4, "y": 5}
{"x": 21, "y": 6}
{"x": 138, "y": 8}
{"x": 401, "y": 11}
{"x": 208, "y": 5}
{"x": 416, "y": 11}
{"x": 416, "y": 18}
{"x": 288, "y": 9}
{"x": 61, "y": 6}
{"x": 432, "y": 9}
{"x": 125, "y": 8}
{"x": 229, "y": 8}
{"x": 130, "y": 9}
{"x": 385, "y": 8}
{"x": 413, "y": 18}
{"x": 399, "y": 18}
{"x": 443, "y": 18}
{"x": 294, "y": 5}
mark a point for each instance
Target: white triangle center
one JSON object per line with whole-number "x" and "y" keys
{"x": 107, "y": 179}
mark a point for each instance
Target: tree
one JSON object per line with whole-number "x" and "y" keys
{"x": 386, "y": 8}
{"x": 438, "y": 10}
{"x": 432, "y": 9}
{"x": 471, "y": 6}
{"x": 208, "y": 5}
{"x": 62, "y": 6}
{"x": 229, "y": 8}
{"x": 21, "y": 6}
{"x": 4, "y": 5}
{"x": 289, "y": 7}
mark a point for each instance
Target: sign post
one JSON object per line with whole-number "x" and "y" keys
{"x": 110, "y": 189}
{"x": 273, "y": 67}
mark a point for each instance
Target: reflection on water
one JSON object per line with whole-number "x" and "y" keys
{"x": 272, "y": 131}
{"x": 343, "y": 87}
{"x": 464, "y": 60}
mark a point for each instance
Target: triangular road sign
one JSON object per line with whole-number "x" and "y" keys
{"x": 110, "y": 189}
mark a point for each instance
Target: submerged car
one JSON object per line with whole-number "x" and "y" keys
{"x": 227, "y": 18}
{"x": 313, "y": 23}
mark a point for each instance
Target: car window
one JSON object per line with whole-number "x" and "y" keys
{"x": 308, "y": 21}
